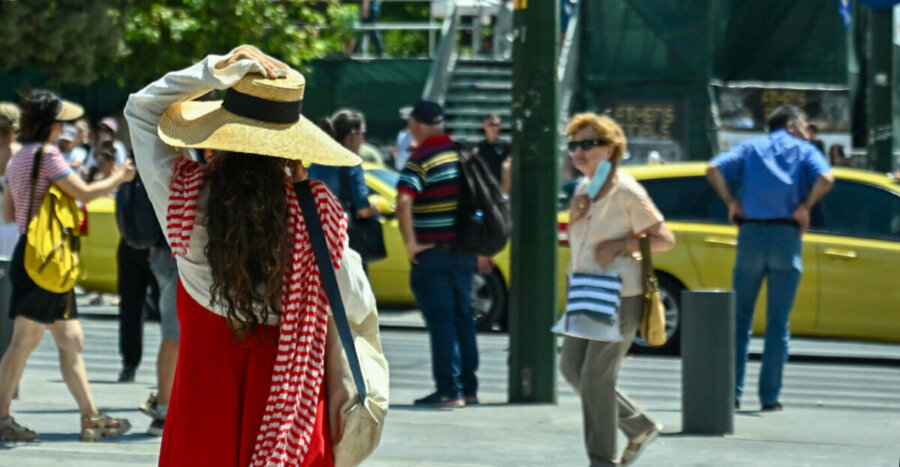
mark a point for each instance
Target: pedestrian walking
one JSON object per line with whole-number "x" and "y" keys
{"x": 249, "y": 293}
{"x": 104, "y": 164}
{"x": 493, "y": 150}
{"x": 139, "y": 232}
{"x": 813, "y": 138}
{"x": 67, "y": 141}
{"x": 441, "y": 277}
{"x": 404, "y": 141}
{"x": 837, "y": 157}
{"x": 9, "y": 129}
{"x": 782, "y": 176}
{"x": 33, "y": 308}
{"x": 106, "y": 139}
{"x": 83, "y": 145}
{"x": 349, "y": 184}
{"x": 368, "y": 15}
{"x": 165, "y": 271}
{"x": 609, "y": 212}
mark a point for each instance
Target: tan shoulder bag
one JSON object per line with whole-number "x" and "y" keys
{"x": 653, "y": 322}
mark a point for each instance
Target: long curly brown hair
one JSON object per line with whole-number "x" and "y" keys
{"x": 249, "y": 246}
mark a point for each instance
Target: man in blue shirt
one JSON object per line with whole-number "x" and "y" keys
{"x": 781, "y": 177}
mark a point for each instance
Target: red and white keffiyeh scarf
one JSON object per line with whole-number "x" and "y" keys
{"x": 290, "y": 414}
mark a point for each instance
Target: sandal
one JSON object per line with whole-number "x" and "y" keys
{"x": 12, "y": 431}
{"x": 637, "y": 445}
{"x": 149, "y": 408}
{"x": 94, "y": 428}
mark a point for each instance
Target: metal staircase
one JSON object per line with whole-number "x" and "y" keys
{"x": 478, "y": 87}
{"x": 470, "y": 88}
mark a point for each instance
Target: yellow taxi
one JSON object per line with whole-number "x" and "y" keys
{"x": 99, "y": 271}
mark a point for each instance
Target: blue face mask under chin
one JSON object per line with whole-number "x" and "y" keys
{"x": 599, "y": 178}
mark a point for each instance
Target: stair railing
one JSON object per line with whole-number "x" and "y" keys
{"x": 567, "y": 73}
{"x": 444, "y": 62}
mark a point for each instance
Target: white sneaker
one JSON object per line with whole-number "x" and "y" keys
{"x": 630, "y": 455}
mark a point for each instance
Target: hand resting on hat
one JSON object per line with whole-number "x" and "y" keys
{"x": 273, "y": 67}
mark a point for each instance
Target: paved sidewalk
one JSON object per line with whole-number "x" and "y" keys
{"x": 836, "y": 415}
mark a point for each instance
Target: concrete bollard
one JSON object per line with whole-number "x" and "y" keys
{"x": 707, "y": 362}
{"x": 6, "y": 324}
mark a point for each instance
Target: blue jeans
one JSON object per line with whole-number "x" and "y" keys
{"x": 166, "y": 271}
{"x": 442, "y": 284}
{"x": 772, "y": 252}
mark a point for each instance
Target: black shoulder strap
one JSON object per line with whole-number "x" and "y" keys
{"x": 35, "y": 170}
{"x": 326, "y": 272}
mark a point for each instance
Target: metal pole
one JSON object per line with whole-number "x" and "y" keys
{"x": 535, "y": 110}
{"x": 879, "y": 47}
{"x": 707, "y": 362}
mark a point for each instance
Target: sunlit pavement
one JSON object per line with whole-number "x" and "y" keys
{"x": 835, "y": 414}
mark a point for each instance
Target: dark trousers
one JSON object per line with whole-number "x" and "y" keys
{"x": 134, "y": 278}
{"x": 442, "y": 284}
{"x": 374, "y": 36}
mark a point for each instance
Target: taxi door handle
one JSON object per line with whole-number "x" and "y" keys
{"x": 720, "y": 241}
{"x": 840, "y": 254}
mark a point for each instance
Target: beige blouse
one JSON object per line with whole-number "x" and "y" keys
{"x": 625, "y": 210}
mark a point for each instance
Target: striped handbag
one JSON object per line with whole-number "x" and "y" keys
{"x": 592, "y": 308}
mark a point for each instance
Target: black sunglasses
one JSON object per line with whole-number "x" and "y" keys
{"x": 586, "y": 145}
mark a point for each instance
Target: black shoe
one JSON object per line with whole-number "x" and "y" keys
{"x": 776, "y": 407}
{"x": 127, "y": 374}
{"x": 737, "y": 405}
{"x": 156, "y": 428}
{"x": 439, "y": 401}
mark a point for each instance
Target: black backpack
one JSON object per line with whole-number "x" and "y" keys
{"x": 484, "y": 217}
{"x": 135, "y": 216}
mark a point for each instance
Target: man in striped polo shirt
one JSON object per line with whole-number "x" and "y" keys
{"x": 441, "y": 277}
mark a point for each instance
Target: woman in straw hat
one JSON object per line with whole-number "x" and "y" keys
{"x": 33, "y": 308}
{"x": 249, "y": 293}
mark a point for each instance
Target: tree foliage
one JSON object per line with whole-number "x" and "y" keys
{"x": 164, "y": 35}
{"x": 79, "y": 41}
{"x": 406, "y": 43}
{"x": 70, "y": 41}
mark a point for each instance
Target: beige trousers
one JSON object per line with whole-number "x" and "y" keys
{"x": 591, "y": 367}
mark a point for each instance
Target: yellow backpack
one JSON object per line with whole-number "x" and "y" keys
{"x": 51, "y": 251}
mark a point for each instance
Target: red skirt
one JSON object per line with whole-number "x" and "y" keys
{"x": 220, "y": 391}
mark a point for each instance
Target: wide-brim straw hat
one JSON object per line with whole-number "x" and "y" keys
{"x": 258, "y": 116}
{"x": 68, "y": 111}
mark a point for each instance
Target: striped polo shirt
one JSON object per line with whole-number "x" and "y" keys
{"x": 431, "y": 178}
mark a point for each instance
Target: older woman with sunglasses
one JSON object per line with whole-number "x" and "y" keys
{"x": 609, "y": 212}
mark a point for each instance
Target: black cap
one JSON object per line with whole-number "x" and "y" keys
{"x": 428, "y": 113}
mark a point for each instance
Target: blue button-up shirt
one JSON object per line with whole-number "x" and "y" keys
{"x": 776, "y": 173}
{"x": 355, "y": 195}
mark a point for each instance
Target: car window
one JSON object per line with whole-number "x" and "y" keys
{"x": 859, "y": 210}
{"x": 687, "y": 199}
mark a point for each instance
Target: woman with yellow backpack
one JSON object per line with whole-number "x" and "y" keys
{"x": 39, "y": 196}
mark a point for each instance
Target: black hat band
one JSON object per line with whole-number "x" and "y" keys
{"x": 261, "y": 109}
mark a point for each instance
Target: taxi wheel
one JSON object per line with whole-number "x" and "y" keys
{"x": 489, "y": 301}
{"x": 670, "y": 292}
